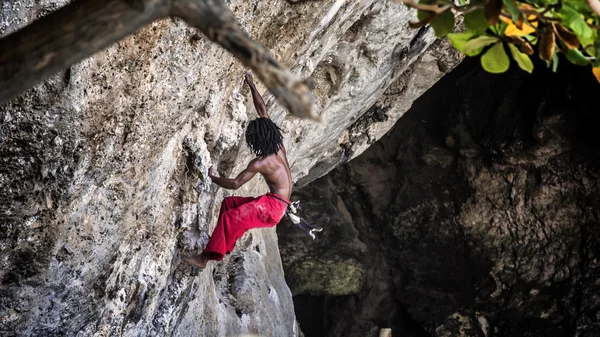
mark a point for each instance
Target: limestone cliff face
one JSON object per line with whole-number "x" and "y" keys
{"x": 477, "y": 215}
{"x": 103, "y": 166}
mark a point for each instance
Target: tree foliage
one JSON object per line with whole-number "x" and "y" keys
{"x": 499, "y": 30}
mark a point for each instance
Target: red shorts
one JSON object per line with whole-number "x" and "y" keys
{"x": 239, "y": 214}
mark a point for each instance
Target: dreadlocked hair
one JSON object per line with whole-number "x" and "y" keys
{"x": 263, "y": 137}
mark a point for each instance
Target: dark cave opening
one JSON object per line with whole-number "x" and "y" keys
{"x": 470, "y": 209}
{"x": 310, "y": 314}
{"x": 313, "y": 318}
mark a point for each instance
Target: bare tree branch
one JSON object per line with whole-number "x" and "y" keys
{"x": 83, "y": 28}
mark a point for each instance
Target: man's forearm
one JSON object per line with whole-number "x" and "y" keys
{"x": 229, "y": 184}
{"x": 259, "y": 103}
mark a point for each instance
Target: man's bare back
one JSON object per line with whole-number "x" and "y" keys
{"x": 276, "y": 171}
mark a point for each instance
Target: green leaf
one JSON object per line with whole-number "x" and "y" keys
{"x": 579, "y": 5}
{"x": 574, "y": 20}
{"x": 499, "y": 28}
{"x": 424, "y": 18}
{"x": 512, "y": 9}
{"x": 495, "y": 60}
{"x": 458, "y": 40}
{"x": 596, "y": 53}
{"x": 443, "y": 23}
{"x": 476, "y": 45}
{"x": 422, "y": 15}
{"x": 576, "y": 57}
{"x": 522, "y": 59}
{"x": 554, "y": 61}
{"x": 548, "y": 2}
{"x": 532, "y": 39}
{"x": 476, "y": 21}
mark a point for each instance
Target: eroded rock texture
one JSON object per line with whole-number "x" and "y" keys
{"x": 477, "y": 215}
{"x": 103, "y": 166}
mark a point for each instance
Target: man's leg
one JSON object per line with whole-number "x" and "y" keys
{"x": 227, "y": 227}
{"x": 199, "y": 261}
{"x": 217, "y": 247}
{"x": 234, "y": 222}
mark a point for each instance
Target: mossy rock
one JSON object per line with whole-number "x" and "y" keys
{"x": 335, "y": 278}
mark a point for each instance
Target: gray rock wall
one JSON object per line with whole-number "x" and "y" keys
{"x": 477, "y": 215}
{"x": 103, "y": 166}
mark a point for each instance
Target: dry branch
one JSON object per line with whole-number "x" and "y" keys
{"x": 83, "y": 28}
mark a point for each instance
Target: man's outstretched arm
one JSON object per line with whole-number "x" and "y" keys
{"x": 259, "y": 104}
{"x": 241, "y": 179}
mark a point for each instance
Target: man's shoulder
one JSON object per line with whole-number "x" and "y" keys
{"x": 267, "y": 161}
{"x": 259, "y": 162}
{"x": 256, "y": 162}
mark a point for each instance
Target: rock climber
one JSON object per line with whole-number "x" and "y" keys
{"x": 239, "y": 214}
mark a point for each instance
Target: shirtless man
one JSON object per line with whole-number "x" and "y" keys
{"x": 239, "y": 214}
